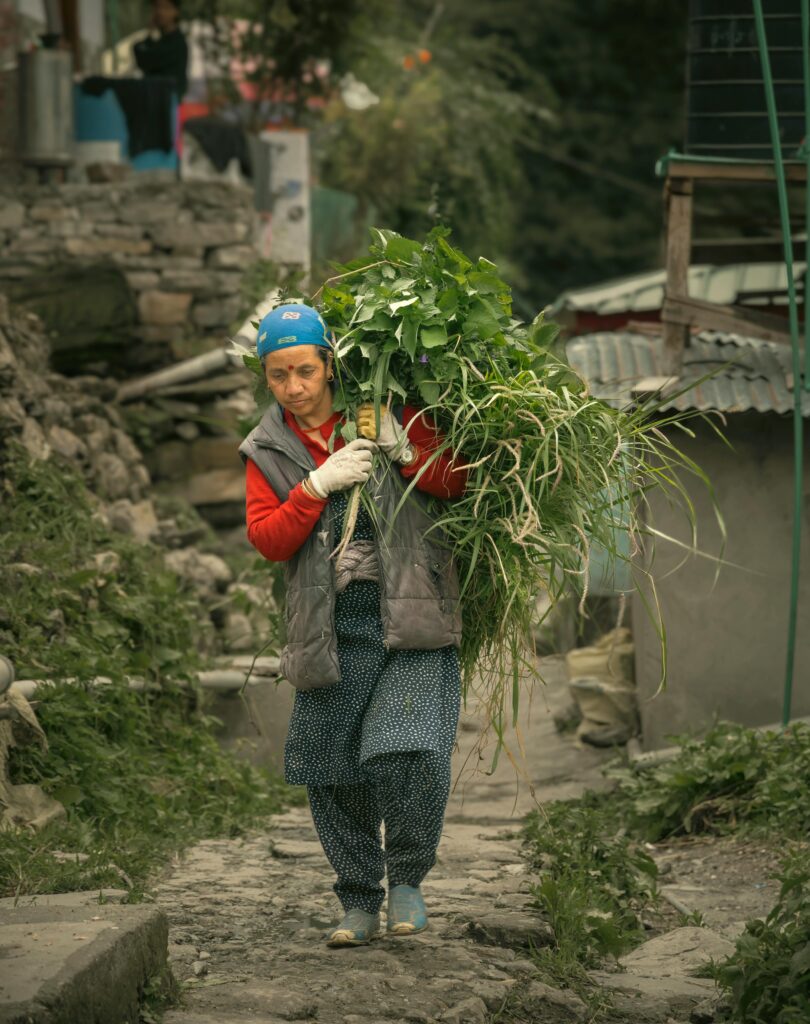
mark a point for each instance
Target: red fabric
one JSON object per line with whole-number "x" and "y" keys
{"x": 278, "y": 529}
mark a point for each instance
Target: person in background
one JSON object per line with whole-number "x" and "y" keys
{"x": 371, "y": 638}
{"x": 166, "y": 54}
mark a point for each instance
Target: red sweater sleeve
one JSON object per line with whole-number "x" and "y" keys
{"x": 278, "y": 529}
{"x": 442, "y": 478}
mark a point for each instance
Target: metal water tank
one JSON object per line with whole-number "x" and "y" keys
{"x": 46, "y": 107}
{"x": 726, "y": 112}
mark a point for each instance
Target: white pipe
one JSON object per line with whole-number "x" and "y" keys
{"x": 268, "y": 665}
{"x": 181, "y": 373}
{"x": 221, "y": 680}
{"x": 652, "y": 758}
{"x": 247, "y": 332}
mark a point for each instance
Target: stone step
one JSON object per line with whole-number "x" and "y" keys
{"x": 65, "y": 963}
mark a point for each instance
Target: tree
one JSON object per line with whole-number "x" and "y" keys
{"x": 443, "y": 142}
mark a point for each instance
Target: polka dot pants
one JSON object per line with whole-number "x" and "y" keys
{"x": 407, "y": 792}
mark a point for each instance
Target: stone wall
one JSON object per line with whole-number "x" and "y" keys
{"x": 128, "y": 275}
{"x": 75, "y": 422}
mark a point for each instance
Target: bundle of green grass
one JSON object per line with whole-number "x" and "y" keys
{"x": 551, "y": 469}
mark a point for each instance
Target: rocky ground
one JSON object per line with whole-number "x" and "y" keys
{"x": 248, "y": 916}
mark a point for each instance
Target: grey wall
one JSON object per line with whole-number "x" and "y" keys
{"x": 255, "y": 728}
{"x": 727, "y": 640}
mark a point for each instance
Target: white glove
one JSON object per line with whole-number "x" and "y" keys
{"x": 393, "y": 439}
{"x": 351, "y": 465}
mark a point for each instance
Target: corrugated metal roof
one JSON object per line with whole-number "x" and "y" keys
{"x": 640, "y": 293}
{"x": 748, "y": 374}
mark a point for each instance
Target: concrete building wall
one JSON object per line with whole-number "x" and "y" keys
{"x": 727, "y": 638}
{"x": 8, "y": 83}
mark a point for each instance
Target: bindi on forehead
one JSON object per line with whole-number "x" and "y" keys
{"x": 290, "y": 366}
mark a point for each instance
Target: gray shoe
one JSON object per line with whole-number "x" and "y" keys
{"x": 357, "y": 928}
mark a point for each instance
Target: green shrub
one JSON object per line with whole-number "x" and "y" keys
{"x": 767, "y": 977}
{"x": 595, "y": 880}
{"x": 732, "y": 776}
{"x": 80, "y": 600}
{"x": 139, "y": 772}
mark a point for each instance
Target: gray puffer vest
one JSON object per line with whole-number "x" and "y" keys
{"x": 419, "y": 593}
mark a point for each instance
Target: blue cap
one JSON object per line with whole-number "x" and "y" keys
{"x": 291, "y": 324}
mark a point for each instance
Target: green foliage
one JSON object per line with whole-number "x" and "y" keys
{"x": 767, "y": 977}
{"x": 412, "y": 319}
{"x": 550, "y": 468}
{"x": 595, "y": 880}
{"x": 140, "y": 773}
{"x": 87, "y": 600}
{"x": 732, "y": 776}
{"x": 160, "y": 992}
{"x": 442, "y": 144}
{"x": 528, "y": 131}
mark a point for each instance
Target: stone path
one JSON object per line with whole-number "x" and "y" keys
{"x": 248, "y": 916}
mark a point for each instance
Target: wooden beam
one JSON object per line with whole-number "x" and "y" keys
{"x": 697, "y": 171}
{"x": 678, "y": 194}
{"x": 723, "y": 251}
{"x": 685, "y": 312}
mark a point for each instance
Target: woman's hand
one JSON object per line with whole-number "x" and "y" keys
{"x": 351, "y": 465}
{"x": 393, "y": 439}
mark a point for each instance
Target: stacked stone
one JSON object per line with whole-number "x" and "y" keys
{"x": 192, "y": 434}
{"x": 182, "y": 247}
{"x": 74, "y": 420}
{"x": 71, "y": 418}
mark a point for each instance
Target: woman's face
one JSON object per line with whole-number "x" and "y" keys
{"x": 299, "y": 381}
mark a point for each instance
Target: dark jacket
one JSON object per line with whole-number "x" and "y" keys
{"x": 166, "y": 56}
{"x": 419, "y": 593}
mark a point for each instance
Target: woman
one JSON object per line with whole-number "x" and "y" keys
{"x": 371, "y": 642}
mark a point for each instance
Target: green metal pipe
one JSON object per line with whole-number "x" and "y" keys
{"x": 806, "y": 154}
{"x": 674, "y": 157}
{"x": 798, "y": 455}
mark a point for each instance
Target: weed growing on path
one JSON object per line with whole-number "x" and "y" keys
{"x": 732, "y": 778}
{"x": 767, "y": 977}
{"x": 596, "y": 880}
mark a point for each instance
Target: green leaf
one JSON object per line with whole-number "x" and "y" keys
{"x": 364, "y": 313}
{"x": 392, "y": 384}
{"x": 396, "y": 306}
{"x": 429, "y": 391}
{"x": 68, "y": 794}
{"x": 542, "y": 334}
{"x": 404, "y": 249}
{"x": 402, "y": 284}
{"x": 410, "y": 333}
{"x": 381, "y": 321}
{"x": 447, "y": 301}
{"x": 455, "y": 254}
{"x": 487, "y": 284}
{"x": 433, "y": 336}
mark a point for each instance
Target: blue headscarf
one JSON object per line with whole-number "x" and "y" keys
{"x": 289, "y": 325}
